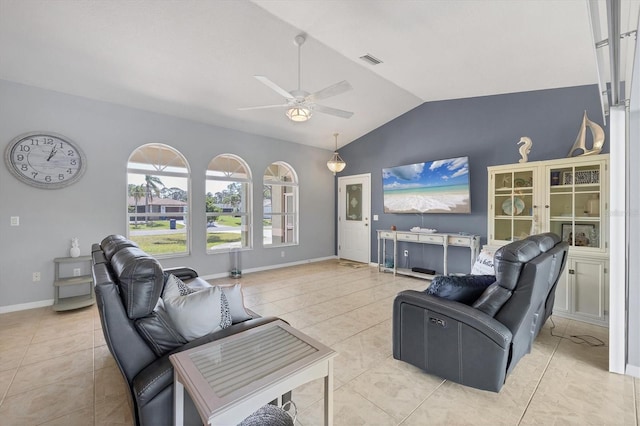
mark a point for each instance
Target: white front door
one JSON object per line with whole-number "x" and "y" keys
{"x": 354, "y": 212}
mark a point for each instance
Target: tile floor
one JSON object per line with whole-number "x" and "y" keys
{"x": 56, "y": 370}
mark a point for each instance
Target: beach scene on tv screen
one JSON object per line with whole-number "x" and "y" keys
{"x": 440, "y": 186}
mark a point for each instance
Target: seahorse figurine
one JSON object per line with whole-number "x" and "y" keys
{"x": 525, "y": 148}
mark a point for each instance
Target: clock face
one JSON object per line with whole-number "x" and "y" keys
{"x": 45, "y": 160}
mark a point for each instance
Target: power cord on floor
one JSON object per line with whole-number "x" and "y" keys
{"x": 580, "y": 338}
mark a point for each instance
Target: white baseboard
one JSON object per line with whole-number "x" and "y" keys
{"x": 41, "y": 303}
{"x": 633, "y": 370}
{"x": 269, "y": 267}
{"x": 25, "y": 306}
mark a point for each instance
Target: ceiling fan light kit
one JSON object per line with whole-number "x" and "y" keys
{"x": 336, "y": 164}
{"x": 298, "y": 114}
{"x": 299, "y": 104}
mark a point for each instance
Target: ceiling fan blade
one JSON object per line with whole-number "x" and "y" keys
{"x": 263, "y": 107}
{"x": 270, "y": 84}
{"x": 327, "y": 92}
{"x": 332, "y": 111}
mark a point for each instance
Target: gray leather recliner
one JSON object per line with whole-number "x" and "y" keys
{"x": 478, "y": 345}
{"x": 128, "y": 284}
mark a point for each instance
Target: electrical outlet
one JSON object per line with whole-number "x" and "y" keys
{"x": 36, "y": 276}
{"x": 406, "y": 253}
{"x": 282, "y": 253}
{"x": 76, "y": 272}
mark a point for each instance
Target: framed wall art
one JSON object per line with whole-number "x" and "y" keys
{"x": 583, "y": 233}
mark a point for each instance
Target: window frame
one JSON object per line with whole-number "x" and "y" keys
{"x": 247, "y": 183}
{"x": 271, "y": 180}
{"x": 159, "y": 168}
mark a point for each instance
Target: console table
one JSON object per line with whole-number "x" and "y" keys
{"x": 442, "y": 239}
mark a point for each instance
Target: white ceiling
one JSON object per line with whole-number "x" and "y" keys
{"x": 196, "y": 58}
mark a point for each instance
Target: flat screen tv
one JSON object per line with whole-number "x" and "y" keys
{"x": 440, "y": 186}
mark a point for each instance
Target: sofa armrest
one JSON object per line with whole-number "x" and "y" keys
{"x": 451, "y": 340}
{"x": 474, "y": 318}
{"x": 159, "y": 374}
{"x": 182, "y": 272}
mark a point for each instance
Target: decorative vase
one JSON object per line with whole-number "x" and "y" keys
{"x": 74, "y": 251}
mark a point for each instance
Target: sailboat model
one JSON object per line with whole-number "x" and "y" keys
{"x": 597, "y": 134}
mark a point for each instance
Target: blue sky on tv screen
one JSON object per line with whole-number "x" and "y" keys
{"x": 453, "y": 171}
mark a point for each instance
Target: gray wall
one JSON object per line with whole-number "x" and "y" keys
{"x": 487, "y": 130}
{"x": 95, "y": 206}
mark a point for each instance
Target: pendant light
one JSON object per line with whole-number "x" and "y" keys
{"x": 336, "y": 164}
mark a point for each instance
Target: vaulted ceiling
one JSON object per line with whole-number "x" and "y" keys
{"x": 196, "y": 59}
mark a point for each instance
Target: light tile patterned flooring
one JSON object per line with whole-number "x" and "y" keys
{"x": 56, "y": 370}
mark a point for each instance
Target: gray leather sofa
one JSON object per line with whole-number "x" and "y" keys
{"x": 480, "y": 343}
{"x": 128, "y": 284}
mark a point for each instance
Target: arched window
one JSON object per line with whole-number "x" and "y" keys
{"x": 280, "y": 205}
{"x": 228, "y": 203}
{"x": 158, "y": 200}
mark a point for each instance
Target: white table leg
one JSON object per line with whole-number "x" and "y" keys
{"x": 178, "y": 403}
{"x": 328, "y": 394}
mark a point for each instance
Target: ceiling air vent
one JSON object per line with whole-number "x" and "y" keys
{"x": 372, "y": 60}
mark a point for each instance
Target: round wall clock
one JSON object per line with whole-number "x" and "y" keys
{"x": 45, "y": 160}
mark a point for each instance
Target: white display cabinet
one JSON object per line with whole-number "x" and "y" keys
{"x": 569, "y": 197}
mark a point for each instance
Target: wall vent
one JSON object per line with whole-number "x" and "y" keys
{"x": 372, "y": 60}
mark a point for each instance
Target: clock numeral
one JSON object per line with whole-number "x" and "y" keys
{"x": 60, "y": 176}
{"x": 70, "y": 153}
{"x": 61, "y": 145}
{"x": 73, "y": 162}
{"x": 24, "y": 168}
{"x": 34, "y": 142}
{"x": 34, "y": 174}
{"x": 47, "y": 179}
{"x": 20, "y": 157}
{"x": 48, "y": 141}
{"x": 69, "y": 171}
{"x": 25, "y": 148}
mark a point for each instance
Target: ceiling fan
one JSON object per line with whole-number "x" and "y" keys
{"x": 301, "y": 105}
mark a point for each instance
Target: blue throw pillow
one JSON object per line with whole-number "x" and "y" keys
{"x": 464, "y": 289}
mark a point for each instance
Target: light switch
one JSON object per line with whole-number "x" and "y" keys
{"x": 375, "y": 217}
{"x": 15, "y": 220}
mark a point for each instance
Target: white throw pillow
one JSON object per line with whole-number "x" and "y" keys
{"x": 183, "y": 289}
{"x": 195, "y": 314}
{"x": 483, "y": 265}
{"x": 236, "y": 303}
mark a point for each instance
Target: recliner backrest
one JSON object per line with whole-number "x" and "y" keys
{"x": 140, "y": 279}
{"x": 531, "y": 267}
{"x": 113, "y": 243}
{"x": 508, "y": 261}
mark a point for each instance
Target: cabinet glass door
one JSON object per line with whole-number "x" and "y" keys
{"x": 575, "y": 205}
{"x": 514, "y": 210}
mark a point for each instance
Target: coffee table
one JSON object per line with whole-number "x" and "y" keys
{"x": 230, "y": 378}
